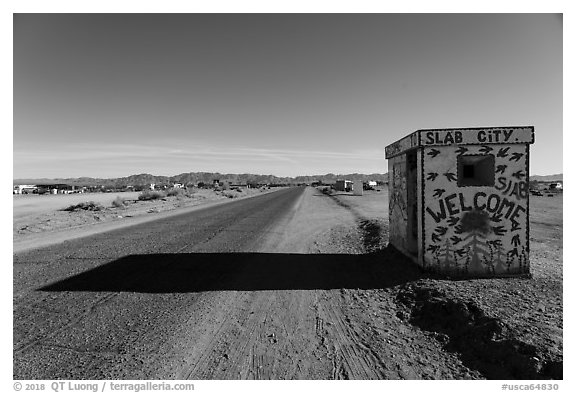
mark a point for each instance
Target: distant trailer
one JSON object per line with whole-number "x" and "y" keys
{"x": 24, "y": 189}
{"x": 458, "y": 200}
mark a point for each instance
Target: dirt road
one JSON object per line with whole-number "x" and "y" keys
{"x": 288, "y": 285}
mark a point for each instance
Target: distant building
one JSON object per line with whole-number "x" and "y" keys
{"x": 556, "y": 186}
{"x": 343, "y": 185}
{"x": 59, "y": 188}
{"x": 24, "y": 189}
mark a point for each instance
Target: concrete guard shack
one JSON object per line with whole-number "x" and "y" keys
{"x": 459, "y": 200}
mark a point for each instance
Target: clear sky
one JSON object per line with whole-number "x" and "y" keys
{"x": 106, "y": 95}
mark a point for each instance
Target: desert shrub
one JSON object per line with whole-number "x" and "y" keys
{"x": 179, "y": 192}
{"x": 150, "y": 195}
{"x": 229, "y": 194}
{"x": 91, "y": 205}
{"x": 174, "y": 192}
{"x": 118, "y": 202}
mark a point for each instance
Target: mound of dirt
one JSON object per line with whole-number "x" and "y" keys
{"x": 483, "y": 342}
{"x": 90, "y": 206}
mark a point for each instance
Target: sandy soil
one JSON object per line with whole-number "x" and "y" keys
{"x": 39, "y": 220}
{"x": 33, "y": 205}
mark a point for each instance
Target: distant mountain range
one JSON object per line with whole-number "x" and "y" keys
{"x": 206, "y": 177}
{"x": 209, "y": 177}
{"x": 547, "y": 178}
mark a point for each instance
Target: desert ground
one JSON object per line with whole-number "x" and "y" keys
{"x": 32, "y": 205}
{"x": 312, "y": 293}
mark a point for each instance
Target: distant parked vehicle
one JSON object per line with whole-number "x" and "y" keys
{"x": 536, "y": 192}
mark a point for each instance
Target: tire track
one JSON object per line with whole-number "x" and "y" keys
{"x": 24, "y": 346}
{"x": 245, "y": 345}
{"x": 222, "y": 355}
{"x": 207, "y": 351}
{"x": 352, "y": 359}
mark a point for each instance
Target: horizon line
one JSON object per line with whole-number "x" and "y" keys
{"x": 223, "y": 174}
{"x": 183, "y": 173}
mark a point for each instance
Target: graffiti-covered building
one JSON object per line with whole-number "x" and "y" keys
{"x": 459, "y": 199}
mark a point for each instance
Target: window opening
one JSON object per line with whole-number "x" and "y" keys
{"x": 476, "y": 170}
